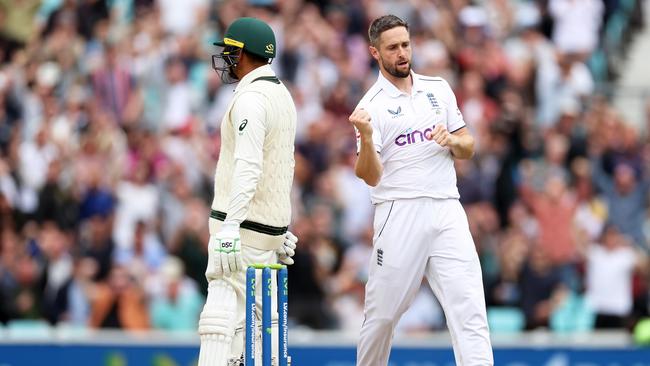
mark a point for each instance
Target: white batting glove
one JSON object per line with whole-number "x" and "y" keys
{"x": 288, "y": 248}
{"x": 224, "y": 252}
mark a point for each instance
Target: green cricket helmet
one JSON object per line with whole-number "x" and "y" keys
{"x": 249, "y": 34}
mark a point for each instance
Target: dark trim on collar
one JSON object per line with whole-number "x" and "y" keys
{"x": 272, "y": 79}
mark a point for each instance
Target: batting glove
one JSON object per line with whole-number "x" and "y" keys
{"x": 288, "y": 248}
{"x": 224, "y": 252}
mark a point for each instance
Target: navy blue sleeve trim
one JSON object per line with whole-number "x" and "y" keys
{"x": 458, "y": 129}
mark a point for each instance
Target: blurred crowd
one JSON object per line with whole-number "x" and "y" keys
{"x": 109, "y": 136}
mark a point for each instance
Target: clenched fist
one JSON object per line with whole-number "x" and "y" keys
{"x": 360, "y": 119}
{"x": 441, "y": 136}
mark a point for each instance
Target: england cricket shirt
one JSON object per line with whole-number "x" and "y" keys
{"x": 414, "y": 166}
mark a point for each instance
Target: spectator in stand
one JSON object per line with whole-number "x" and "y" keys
{"x": 137, "y": 200}
{"x": 576, "y": 25}
{"x": 188, "y": 243}
{"x": 80, "y": 292}
{"x": 119, "y": 302}
{"x": 114, "y": 85}
{"x": 610, "y": 265}
{"x": 626, "y": 198}
{"x": 178, "y": 103}
{"x": 541, "y": 288}
{"x": 20, "y": 280}
{"x": 178, "y": 303}
{"x": 143, "y": 257}
{"x": 57, "y": 272}
{"x": 554, "y": 209}
{"x": 97, "y": 242}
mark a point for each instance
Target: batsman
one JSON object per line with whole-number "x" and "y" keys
{"x": 251, "y": 209}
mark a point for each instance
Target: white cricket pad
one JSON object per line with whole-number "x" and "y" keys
{"x": 217, "y": 324}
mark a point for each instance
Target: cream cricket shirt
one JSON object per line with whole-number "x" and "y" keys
{"x": 413, "y": 165}
{"x": 254, "y": 173}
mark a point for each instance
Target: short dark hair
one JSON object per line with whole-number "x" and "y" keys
{"x": 382, "y": 24}
{"x": 259, "y": 60}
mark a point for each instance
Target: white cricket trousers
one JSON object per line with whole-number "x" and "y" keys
{"x": 416, "y": 238}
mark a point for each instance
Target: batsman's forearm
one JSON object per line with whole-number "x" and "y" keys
{"x": 368, "y": 166}
{"x": 464, "y": 148}
{"x": 244, "y": 183}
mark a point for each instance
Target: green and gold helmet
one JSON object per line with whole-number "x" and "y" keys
{"x": 249, "y": 34}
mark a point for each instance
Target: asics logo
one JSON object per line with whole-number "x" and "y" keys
{"x": 413, "y": 137}
{"x": 243, "y": 125}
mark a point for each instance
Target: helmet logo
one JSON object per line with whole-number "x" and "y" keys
{"x": 270, "y": 48}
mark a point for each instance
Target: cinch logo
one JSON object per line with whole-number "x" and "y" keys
{"x": 412, "y": 137}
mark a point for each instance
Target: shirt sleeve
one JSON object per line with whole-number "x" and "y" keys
{"x": 455, "y": 119}
{"x": 248, "y": 116}
{"x": 376, "y": 132}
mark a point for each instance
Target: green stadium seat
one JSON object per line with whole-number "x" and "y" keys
{"x": 505, "y": 319}
{"x": 28, "y": 328}
{"x": 573, "y": 315}
{"x": 66, "y": 330}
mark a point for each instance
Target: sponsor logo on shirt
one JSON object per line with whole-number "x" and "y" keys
{"x": 242, "y": 126}
{"x": 413, "y": 137}
{"x": 395, "y": 113}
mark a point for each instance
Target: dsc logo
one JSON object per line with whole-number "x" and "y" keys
{"x": 413, "y": 137}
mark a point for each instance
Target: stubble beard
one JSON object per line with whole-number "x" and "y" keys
{"x": 392, "y": 70}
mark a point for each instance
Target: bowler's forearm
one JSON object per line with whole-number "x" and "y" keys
{"x": 463, "y": 148}
{"x": 368, "y": 166}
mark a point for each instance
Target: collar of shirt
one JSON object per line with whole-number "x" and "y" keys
{"x": 392, "y": 90}
{"x": 265, "y": 70}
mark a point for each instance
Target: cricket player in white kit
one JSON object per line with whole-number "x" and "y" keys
{"x": 251, "y": 207}
{"x": 409, "y": 130}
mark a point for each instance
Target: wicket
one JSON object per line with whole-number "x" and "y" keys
{"x": 283, "y": 310}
